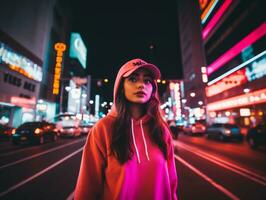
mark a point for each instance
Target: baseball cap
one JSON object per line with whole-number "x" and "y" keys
{"x": 131, "y": 66}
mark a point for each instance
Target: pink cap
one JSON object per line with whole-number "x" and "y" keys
{"x": 128, "y": 68}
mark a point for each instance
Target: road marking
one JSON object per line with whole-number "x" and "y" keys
{"x": 37, "y": 155}
{"x": 21, "y": 150}
{"x": 39, "y": 173}
{"x": 216, "y": 185}
{"x": 230, "y": 166}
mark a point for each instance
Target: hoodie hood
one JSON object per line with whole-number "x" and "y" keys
{"x": 126, "y": 70}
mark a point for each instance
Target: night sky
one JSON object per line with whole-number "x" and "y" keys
{"x": 117, "y": 31}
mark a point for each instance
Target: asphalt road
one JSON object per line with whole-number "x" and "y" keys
{"x": 207, "y": 169}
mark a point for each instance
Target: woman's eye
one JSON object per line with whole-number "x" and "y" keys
{"x": 147, "y": 81}
{"x": 132, "y": 79}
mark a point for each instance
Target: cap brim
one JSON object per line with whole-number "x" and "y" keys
{"x": 155, "y": 72}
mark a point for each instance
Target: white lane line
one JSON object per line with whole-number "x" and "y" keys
{"x": 37, "y": 155}
{"x": 39, "y": 173}
{"x": 216, "y": 185}
{"x": 230, "y": 166}
{"x": 71, "y": 196}
{"x": 27, "y": 149}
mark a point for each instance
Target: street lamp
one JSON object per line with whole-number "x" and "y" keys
{"x": 192, "y": 94}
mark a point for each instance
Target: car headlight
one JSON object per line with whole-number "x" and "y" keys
{"x": 37, "y": 131}
{"x": 227, "y": 131}
{"x": 13, "y": 131}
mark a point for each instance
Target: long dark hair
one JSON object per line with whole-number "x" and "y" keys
{"x": 121, "y": 140}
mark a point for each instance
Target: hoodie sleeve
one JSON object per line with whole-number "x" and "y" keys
{"x": 91, "y": 175}
{"x": 172, "y": 169}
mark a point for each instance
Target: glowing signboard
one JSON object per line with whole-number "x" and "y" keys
{"x": 237, "y": 48}
{"x": 207, "y": 8}
{"x": 257, "y": 69}
{"x": 251, "y": 98}
{"x": 78, "y": 49}
{"x": 19, "y": 63}
{"x": 60, "y": 48}
{"x": 235, "y": 79}
{"x": 216, "y": 18}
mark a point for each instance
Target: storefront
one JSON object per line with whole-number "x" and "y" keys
{"x": 19, "y": 84}
{"x": 240, "y": 96}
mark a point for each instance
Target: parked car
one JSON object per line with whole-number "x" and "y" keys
{"x": 194, "y": 129}
{"x": 68, "y": 125}
{"x": 257, "y": 136}
{"x": 85, "y": 127}
{"x": 35, "y": 132}
{"x": 6, "y": 132}
{"x": 224, "y": 132}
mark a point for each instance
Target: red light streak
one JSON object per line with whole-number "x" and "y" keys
{"x": 215, "y": 19}
{"x": 236, "y": 49}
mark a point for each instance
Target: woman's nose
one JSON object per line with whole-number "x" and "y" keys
{"x": 141, "y": 84}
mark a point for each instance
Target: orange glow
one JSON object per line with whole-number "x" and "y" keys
{"x": 20, "y": 70}
{"x": 235, "y": 79}
{"x": 203, "y": 4}
{"x": 37, "y": 131}
{"x": 60, "y": 48}
{"x": 251, "y": 98}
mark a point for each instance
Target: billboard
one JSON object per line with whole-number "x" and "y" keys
{"x": 78, "y": 49}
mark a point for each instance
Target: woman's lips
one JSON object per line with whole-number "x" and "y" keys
{"x": 140, "y": 94}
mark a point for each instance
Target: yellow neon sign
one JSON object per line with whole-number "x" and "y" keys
{"x": 60, "y": 48}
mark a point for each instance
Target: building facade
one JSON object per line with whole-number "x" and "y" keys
{"x": 233, "y": 33}
{"x": 28, "y": 32}
{"x": 193, "y": 60}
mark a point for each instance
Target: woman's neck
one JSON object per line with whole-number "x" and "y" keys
{"x": 137, "y": 110}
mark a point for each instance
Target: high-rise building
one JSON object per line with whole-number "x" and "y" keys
{"x": 193, "y": 60}
{"x": 233, "y": 33}
{"x": 28, "y": 34}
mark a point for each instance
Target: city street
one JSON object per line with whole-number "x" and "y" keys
{"x": 207, "y": 169}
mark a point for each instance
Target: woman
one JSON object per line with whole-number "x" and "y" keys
{"x": 129, "y": 153}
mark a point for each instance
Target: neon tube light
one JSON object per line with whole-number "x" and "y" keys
{"x": 256, "y": 97}
{"x": 237, "y": 68}
{"x": 215, "y": 19}
{"x": 235, "y": 50}
{"x": 208, "y": 11}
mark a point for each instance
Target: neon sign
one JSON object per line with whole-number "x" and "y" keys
{"x": 235, "y": 79}
{"x": 215, "y": 18}
{"x": 208, "y": 8}
{"x": 19, "y": 63}
{"x": 60, "y": 48}
{"x": 78, "y": 49}
{"x": 236, "y": 49}
{"x": 237, "y": 67}
{"x": 252, "y": 98}
{"x": 256, "y": 70}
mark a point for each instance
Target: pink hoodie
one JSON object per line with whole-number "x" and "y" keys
{"x": 147, "y": 176}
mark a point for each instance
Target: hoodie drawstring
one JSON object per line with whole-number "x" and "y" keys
{"x": 144, "y": 140}
{"x": 145, "y": 144}
{"x": 134, "y": 141}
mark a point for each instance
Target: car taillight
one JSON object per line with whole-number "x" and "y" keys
{"x": 37, "y": 131}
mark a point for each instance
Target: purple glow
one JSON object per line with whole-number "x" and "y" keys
{"x": 231, "y": 53}
{"x": 215, "y": 19}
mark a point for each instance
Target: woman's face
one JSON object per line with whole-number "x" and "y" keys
{"x": 138, "y": 86}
